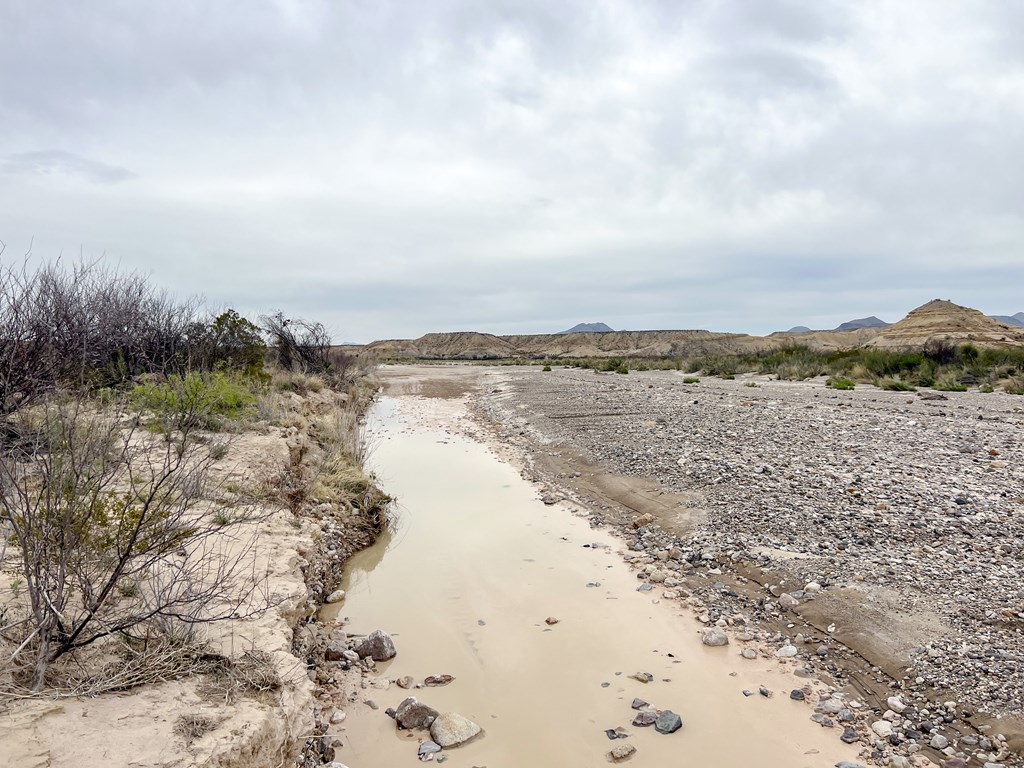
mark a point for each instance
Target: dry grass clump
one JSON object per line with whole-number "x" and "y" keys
{"x": 254, "y": 675}
{"x": 1014, "y": 385}
{"x": 118, "y": 665}
{"x": 195, "y": 724}
{"x": 296, "y": 381}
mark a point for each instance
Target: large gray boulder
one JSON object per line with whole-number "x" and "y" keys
{"x": 668, "y": 722}
{"x": 452, "y": 729}
{"x": 377, "y": 645}
{"x": 715, "y": 637}
{"x": 413, "y": 713}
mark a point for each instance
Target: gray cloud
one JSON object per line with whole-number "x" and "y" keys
{"x": 396, "y": 168}
{"x": 47, "y": 162}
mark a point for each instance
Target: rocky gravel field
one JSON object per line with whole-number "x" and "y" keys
{"x": 906, "y": 507}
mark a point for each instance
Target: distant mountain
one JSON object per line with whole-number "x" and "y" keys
{"x": 799, "y": 329}
{"x": 588, "y": 328}
{"x": 1017, "y": 319}
{"x": 863, "y": 322}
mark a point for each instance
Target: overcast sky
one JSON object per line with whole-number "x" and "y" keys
{"x": 395, "y": 168}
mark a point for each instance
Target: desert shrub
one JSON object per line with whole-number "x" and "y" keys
{"x": 546, "y": 368}
{"x": 622, "y": 369}
{"x": 794, "y": 363}
{"x": 228, "y": 342}
{"x": 895, "y": 385}
{"x": 986, "y": 388}
{"x": 838, "y": 382}
{"x": 84, "y": 325}
{"x": 941, "y": 352}
{"x": 194, "y": 400}
{"x": 728, "y": 376}
{"x": 1014, "y": 385}
{"x": 720, "y": 365}
{"x": 947, "y": 382}
{"x": 967, "y": 353}
{"x": 298, "y": 345}
{"x": 691, "y": 380}
{"x": 107, "y": 528}
{"x": 296, "y": 381}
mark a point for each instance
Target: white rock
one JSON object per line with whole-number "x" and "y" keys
{"x": 787, "y": 652}
{"x": 338, "y": 717}
{"x": 938, "y": 741}
{"x": 811, "y": 587}
{"x": 452, "y": 729}
{"x": 896, "y": 704}
{"x": 882, "y": 728}
{"x": 336, "y": 596}
{"x": 715, "y": 637}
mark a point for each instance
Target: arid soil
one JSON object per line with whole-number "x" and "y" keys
{"x": 877, "y": 534}
{"x": 263, "y": 710}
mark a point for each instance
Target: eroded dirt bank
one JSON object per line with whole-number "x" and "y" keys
{"x": 876, "y": 535}
{"x": 244, "y": 696}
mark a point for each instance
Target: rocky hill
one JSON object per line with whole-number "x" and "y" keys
{"x": 589, "y": 328}
{"x": 863, "y": 322}
{"x": 946, "y": 322}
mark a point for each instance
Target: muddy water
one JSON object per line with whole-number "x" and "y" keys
{"x": 465, "y": 580}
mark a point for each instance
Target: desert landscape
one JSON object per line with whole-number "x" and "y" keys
{"x": 522, "y": 383}
{"x": 841, "y": 553}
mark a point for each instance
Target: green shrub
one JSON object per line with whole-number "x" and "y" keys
{"x": 546, "y": 368}
{"x": 947, "y": 382}
{"x": 622, "y": 369}
{"x": 839, "y": 382}
{"x": 895, "y": 385}
{"x": 986, "y": 388}
{"x": 691, "y": 380}
{"x": 194, "y": 400}
{"x": 728, "y": 376}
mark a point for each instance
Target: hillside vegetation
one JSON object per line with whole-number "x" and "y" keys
{"x": 117, "y": 403}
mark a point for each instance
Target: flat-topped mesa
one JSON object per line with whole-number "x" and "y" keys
{"x": 941, "y": 321}
{"x": 470, "y": 345}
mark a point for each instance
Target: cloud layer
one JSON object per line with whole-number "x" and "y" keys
{"x": 396, "y": 168}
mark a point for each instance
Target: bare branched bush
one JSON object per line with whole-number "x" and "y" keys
{"x": 113, "y": 534}
{"x": 84, "y": 325}
{"x": 297, "y": 344}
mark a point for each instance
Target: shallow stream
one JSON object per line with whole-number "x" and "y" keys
{"x": 464, "y": 580}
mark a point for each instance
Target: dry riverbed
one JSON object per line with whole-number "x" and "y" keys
{"x": 537, "y": 623}
{"x": 865, "y": 544}
{"x": 877, "y": 533}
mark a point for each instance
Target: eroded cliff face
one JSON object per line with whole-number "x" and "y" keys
{"x": 470, "y": 345}
{"x": 942, "y": 321}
